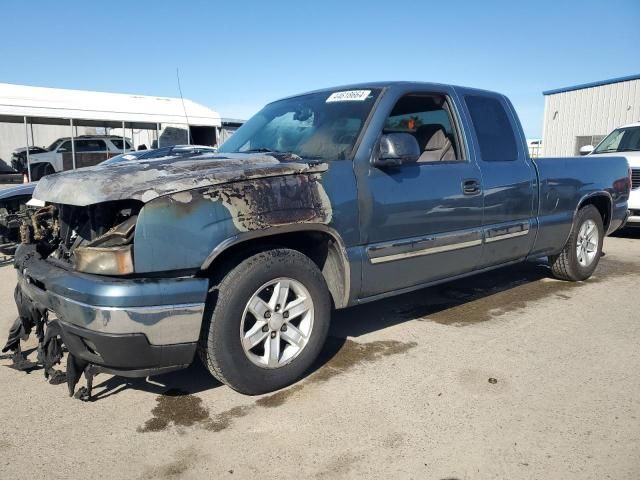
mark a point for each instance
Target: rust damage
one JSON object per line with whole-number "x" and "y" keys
{"x": 268, "y": 202}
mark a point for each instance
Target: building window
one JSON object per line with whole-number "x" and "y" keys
{"x": 584, "y": 140}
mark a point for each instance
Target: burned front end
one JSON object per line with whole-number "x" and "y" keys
{"x": 115, "y": 263}
{"x": 78, "y": 289}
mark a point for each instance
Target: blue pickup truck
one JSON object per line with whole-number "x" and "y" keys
{"x": 320, "y": 201}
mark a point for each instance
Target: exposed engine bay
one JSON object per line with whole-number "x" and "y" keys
{"x": 77, "y": 236}
{"x": 94, "y": 239}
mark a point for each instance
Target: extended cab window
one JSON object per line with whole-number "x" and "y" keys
{"x": 428, "y": 119}
{"x": 496, "y": 137}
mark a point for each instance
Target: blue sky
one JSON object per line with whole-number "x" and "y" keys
{"x": 235, "y": 56}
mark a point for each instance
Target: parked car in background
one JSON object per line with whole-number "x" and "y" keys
{"x": 323, "y": 200}
{"x": 19, "y": 157}
{"x": 13, "y": 208}
{"x": 623, "y": 142}
{"x": 51, "y": 161}
{"x": 181, "y": 151}
{"x": 535, "y": 147}
{"x": 8, "y": 174}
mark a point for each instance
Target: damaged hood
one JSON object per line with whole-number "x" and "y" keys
{"x": 146, "y": 180}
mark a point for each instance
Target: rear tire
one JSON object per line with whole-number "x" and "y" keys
{"x": 286, "y": 344}
{"x": 580, "y": 255}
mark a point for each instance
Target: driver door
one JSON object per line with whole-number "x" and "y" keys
{"x": 424, "y": 220}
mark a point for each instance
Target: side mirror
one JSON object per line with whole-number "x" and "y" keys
{"x": 586, "y": 150}
{"x": 396, "y": 149}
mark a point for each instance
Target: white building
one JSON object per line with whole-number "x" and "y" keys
{"x": 584, "y": 114}
{"x": 37, "y": 116}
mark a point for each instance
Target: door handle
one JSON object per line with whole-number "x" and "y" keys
{"x": 471, "y": 187}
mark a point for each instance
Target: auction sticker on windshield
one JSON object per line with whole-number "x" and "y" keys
{"x": 349, "y": 96}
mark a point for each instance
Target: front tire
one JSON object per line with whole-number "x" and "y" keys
{"x": 581, "y": 254}
{"x": 269, "y": 322}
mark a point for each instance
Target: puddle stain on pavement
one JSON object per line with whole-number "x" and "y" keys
{"x": 184, "y": 410}
{"x": 470, "y": 301}
{"x": 184, "y": 460}
{"x": 178, "y": 408}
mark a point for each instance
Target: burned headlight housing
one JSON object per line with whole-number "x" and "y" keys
{"x": 105, "y": 260}
{"x": 109, "y": 254}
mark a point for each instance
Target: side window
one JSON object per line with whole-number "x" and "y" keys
{"x": 117, "y": 142}
{"x": 496, "y": 137}
{"x": 90, "y": 145}
{"x": 65, "y": 147}
{"x": 428, "y": 119}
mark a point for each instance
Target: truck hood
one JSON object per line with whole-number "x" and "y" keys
{"x": 146, "y": 180}
{"x": 632, "y": 157}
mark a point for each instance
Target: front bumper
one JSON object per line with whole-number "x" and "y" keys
{"x": 132, "y": 327}
{"x": 634, "y": 207}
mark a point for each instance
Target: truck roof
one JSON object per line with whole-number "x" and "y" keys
{"x": 634, "y": 124}
{"x": 403, "y": 85}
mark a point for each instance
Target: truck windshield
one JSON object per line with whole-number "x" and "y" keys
{"x": 322, "y": 126}
{"x": 621, "y": 140}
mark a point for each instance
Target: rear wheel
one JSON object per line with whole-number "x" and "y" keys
{"x": 269, "y": 322}
{"x": 581, "y": 254}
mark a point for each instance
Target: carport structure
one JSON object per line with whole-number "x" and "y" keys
{"x": 182, "y": 119}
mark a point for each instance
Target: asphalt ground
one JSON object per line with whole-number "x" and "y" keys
{"x": 505, "y": 375}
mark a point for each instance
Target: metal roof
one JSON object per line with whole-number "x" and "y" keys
{"x": 593, "y": 84}
{"x": 57, "y": 103}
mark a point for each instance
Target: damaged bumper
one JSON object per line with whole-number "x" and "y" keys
{"x": 129, "y": 327}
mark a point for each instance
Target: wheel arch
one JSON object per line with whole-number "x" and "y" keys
{"x": 604, "y": 204}
{"x": 320, "y": 243}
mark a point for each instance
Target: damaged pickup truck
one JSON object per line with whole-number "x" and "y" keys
{"x": 320, "y": 201}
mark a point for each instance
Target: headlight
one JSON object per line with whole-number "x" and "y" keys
{"x": 104, "y": 260}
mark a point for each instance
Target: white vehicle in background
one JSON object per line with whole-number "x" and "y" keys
{"x": 51, "y": 161}
{"x": 535, "y": 147}
{"x": 623, "y": 141}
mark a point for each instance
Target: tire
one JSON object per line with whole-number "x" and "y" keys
{"x": 222, "y": 349}
{"x": 569, "y": 265}
{"x": 40, "y": 170}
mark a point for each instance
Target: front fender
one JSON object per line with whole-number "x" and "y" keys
{"x": 179, "y": 231}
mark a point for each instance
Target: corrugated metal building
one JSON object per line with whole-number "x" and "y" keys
{"x": 584, "y": 114}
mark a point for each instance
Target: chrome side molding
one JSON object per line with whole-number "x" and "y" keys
{"x": 445, "y": 242}
{"x": 503, "y": 232}
{"x": 420, "y": 246}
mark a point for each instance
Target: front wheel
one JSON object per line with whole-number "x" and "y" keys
{"x": 268, "y": 324}
{"x": 581, "y": 254}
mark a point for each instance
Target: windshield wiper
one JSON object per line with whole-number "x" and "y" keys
{"x": 258, "y": 150}
{"x": 266, "y": 150}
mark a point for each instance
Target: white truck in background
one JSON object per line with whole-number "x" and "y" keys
{"x": 51, "y": 161}
{"x": 623, "y": 142}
